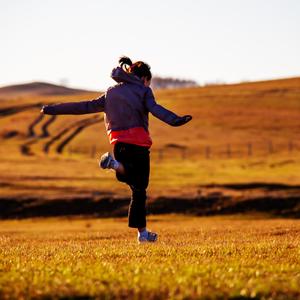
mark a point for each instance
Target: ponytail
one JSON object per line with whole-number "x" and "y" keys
{"x": 125, "y": 63}
{"x": 139, "y": 68}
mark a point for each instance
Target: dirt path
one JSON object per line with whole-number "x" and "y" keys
{"x": 31, "y": 127}
{"x": 67, "y": 134}
{"x": 76, "y": 126}
{"x": 16, "y": 109}
{"x": 25, "y": 148}
{"x": 45, "y": 126}
{"x": 67, "y": 140}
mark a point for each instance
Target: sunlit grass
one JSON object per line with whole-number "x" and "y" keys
{"x": 235, "y": 115}
{"x": 64, "y": 175}
{"x": 194, "y": 258}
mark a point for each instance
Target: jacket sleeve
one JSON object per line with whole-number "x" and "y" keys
{"x": 76, "y": 108}
{"x": 159, "y": 111}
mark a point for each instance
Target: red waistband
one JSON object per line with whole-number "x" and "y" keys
{"x": 137, "y": 136}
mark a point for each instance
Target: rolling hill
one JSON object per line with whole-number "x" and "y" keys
{"x": 37, "y": 89}
{"x": 244, "y": 133}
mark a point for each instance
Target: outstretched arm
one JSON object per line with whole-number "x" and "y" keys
{"x": 75, "y": 108}
{"x": 162, "y": 113}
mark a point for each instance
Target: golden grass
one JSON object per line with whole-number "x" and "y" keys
{"x": 195, "y": 258}
{"x": 60, "y": 175}
{"x": 234, "y": 115}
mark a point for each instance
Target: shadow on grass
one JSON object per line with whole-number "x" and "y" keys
{"x": 282, "y": 201}
{"x": 284, "y": 207}
{"x": 254, "y": 185}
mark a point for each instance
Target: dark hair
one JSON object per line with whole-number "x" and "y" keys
{"x": 139, "y": 68}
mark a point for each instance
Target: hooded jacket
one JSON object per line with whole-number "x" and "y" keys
{"x": 126, "y": 108}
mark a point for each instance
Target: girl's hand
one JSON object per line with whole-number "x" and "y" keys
{"x": 182, "y": 120}
{"x": 45, "y": 110}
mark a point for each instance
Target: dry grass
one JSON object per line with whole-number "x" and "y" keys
{"x": 233, "y": 114}
{"x": 207, "y": 258}
{"x": 62, "y": 175}
{"x": 195, "y": 258}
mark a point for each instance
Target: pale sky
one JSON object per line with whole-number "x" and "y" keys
{"x": 204, "y": 40}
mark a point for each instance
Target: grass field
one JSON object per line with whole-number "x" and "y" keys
{"x": 243, "y": 142}
{"x": 238, "y": 257}
{"x": 227, "y": 119}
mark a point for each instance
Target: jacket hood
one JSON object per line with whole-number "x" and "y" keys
{"x": 119, "y": 75}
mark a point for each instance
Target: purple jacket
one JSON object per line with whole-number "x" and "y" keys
{"x": 126, "y": 105}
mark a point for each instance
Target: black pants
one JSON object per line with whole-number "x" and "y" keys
{"x": 136, "y": 161}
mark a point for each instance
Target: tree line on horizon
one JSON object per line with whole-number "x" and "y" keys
{"x": 171, "y": 82}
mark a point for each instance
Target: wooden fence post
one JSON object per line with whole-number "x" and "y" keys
{"x": 291, "y": 147}
{"x": 207, "y": 152}
{"x": 249, "y": 149}
{"x": 93, "y": 151}
{"x": 160, "y": 154}
{"x": 229, "y": 151}
{"x": 271, "y": 148}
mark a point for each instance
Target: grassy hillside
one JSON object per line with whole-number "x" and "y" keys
{"x": 36, "y": 89}
{"x": 246, "y": 132}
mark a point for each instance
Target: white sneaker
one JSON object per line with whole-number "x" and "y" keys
{"x": 107, "y": 161}
{"x": 147, "y": 236}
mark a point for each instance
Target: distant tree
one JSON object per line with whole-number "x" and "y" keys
{"x": 170, "y": 83}
{"x": 64, "y": 81}
{"x": 214, "y": 83}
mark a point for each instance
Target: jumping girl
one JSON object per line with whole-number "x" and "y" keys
{"x": 126, "y": 106}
